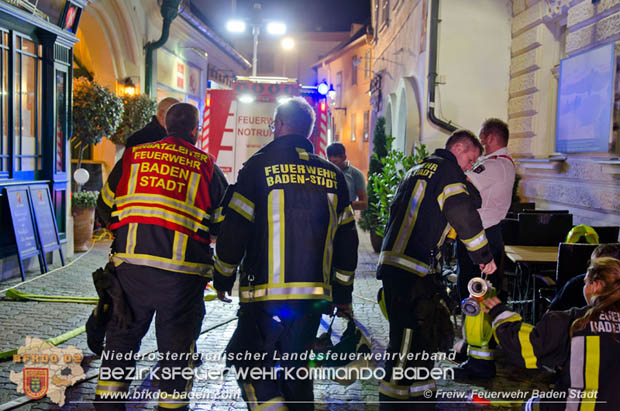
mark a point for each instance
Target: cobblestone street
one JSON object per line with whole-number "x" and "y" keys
{"x": 44, "y": 320}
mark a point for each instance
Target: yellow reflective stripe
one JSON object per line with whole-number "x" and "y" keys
{"x": 481, "y": 353}
{"x": 395, "y": 391}
{"x": 592, "y": 366}
{"x": 133, "y": 179}
{"x": 172, "y": 405}
{"x": 405, "y": 346}
{"x": 347, "y": 216}
{"x": 179, "y": 246}
{"x": 527, "y": 350}
{"x": 251, "y": 396}
{"x": 132, "y": 231}
{"x": 217, "y": 216}
{"x": 275, "y": 217}
{"x": 344, "y": 277}
{"x": 303, "y": 154}
{"x": 162, "y": 200}
{"x": 449, "y": 191}
{"x": 405, "y": 262}
{"x": 328, "y": 249}
{"x": 105, "y": 387}
{"x": 418, "y": 388}
{"x": 274, "y": 404}
{"x": 224, "y": 268}
{"x": 476, "y": 242}
{"x": 192, "y": 189}
{"x": 410, "y": 217}
{"x": 292, "y": 291}
{"x": 155, "y": 212}
{"x": 107, "y": 195}
{"x": 242, "y": 205}
{"x": 505, "y": 317}
{"x": 185, "y": 267}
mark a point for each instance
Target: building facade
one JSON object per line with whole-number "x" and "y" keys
{"x": 36, "y": 46}
{"x": 39, "y": 57}
{"x": 431, "y": 75}
{"x": 348, "y": 67}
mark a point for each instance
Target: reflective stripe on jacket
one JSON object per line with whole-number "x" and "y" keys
{"x": 290, "y": 219}
{"x": 162, "y": 200}
{"x": 589, "y": 360}
{"x": 432, "y": 198}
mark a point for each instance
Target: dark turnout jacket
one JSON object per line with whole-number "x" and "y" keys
{"x": 290, "y": 220}
{"x": 432, "y": 198}
{"x": 162, "y": 202}
{"x": 150, "y": 133}
{"x": 589, "y": 361}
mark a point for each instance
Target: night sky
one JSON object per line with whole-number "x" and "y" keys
{"x": 299, "y": 15}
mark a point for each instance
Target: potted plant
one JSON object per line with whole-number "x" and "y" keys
{"x": 385, "y": 183}
{"x": 83, "y": 211}
{"x": 138, "y": 112}
{"x": 387, "y": 169}
{"x": 97, "y": 112}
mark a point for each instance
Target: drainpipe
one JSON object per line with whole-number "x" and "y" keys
{"x": 432, "y": 70}
{"x": 169, "y": 10}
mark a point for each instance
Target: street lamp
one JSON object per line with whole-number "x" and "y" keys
{"x": 239, "y": 26}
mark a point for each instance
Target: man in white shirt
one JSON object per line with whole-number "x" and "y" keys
{"x": 493, "y": 175}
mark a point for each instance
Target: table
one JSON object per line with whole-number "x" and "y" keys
{"x": 529, "y": 254}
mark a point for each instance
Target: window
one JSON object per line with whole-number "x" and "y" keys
{"x": 354, "y": 64}
{"x": 61, "y": 114}
{"x": 27, "y": 109}
{"x": 367, "y": 58}
{"x": 353, "y": 120}
{"x": 339, "y": 89}
{"x": 366, "y": 130}
{"x": 4, "y": 106}
{"x": 385, "y": 13}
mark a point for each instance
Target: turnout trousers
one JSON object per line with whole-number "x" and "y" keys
{"x": 177, "y": 302}
{"x": 271, "y": 332}
{"x": 406, "y": 385}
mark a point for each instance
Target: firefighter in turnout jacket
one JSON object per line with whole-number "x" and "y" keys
{"x": 290, "y": 224}
{"x": 432, "y": 198}
{"x": 583, "y": 343}
{"x": 161, "y": 201}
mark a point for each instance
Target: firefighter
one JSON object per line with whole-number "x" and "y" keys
{"x": 432, "y": 198}
{"x": 583, "y": 342}
{"x": 290, "y": 220}
{"x": 161, "y": 201}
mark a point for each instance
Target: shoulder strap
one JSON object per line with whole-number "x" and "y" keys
{"x": 506, "y": 157}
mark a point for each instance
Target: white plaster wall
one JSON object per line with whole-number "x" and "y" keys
{"x": 473, "y": 61}
{"x": 473, "y": 58}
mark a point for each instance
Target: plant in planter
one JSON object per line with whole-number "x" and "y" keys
{"x": 83, "y": 211}
{"x": 385, "y": 183}
{"x": 97, "y": 112}
{"x": 138, "y": 112}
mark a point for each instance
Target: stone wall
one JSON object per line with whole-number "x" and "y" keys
{"x": 589, "y": 184}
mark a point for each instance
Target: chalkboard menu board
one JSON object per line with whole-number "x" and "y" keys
{"x": 23, "y": 225}
{"x": 45, "y": 219}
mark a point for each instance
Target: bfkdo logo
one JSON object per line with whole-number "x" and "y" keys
{"x": 36, "y": 382}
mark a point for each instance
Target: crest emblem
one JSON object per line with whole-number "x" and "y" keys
{"x": 36, "y": 382}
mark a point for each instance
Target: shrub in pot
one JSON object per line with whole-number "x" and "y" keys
{"x": 83, "y": 205}
{"x": 137, "y": 113}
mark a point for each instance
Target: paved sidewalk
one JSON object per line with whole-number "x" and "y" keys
{"x": 45, "y": 320}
